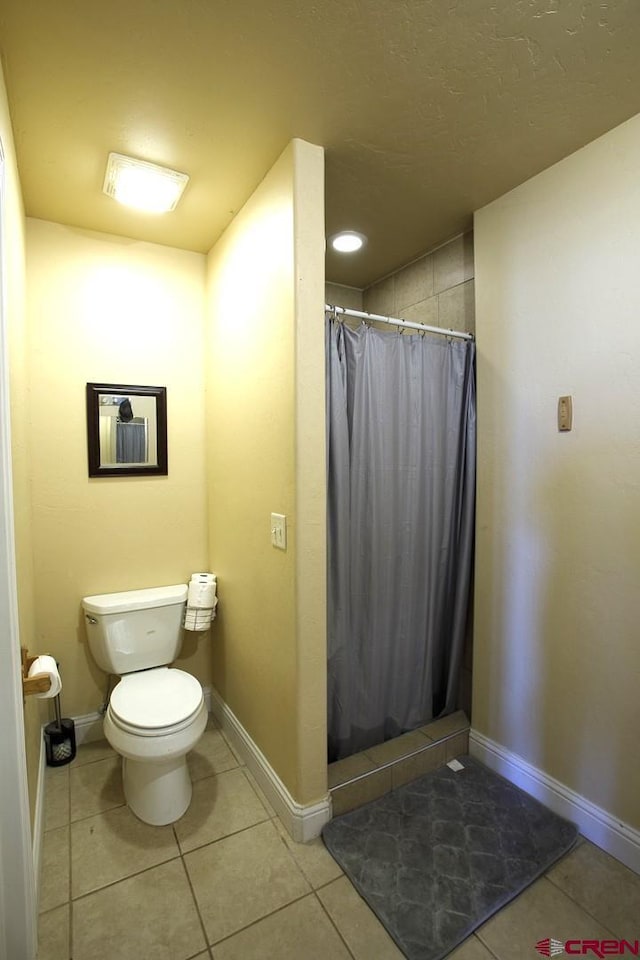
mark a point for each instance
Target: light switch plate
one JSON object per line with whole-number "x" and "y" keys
{"x": 279, "y": 531}
{"x": 565, "y": 414}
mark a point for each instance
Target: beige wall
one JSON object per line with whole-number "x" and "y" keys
{"x": 557, "y": 662}
{"x": 265, "y": 453}
{"x": 14, "y": 310}
{"x": 108, "y": 309}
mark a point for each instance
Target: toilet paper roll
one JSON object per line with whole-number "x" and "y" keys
{"x": 203, "y": 577}
{"x": 47, "y": 665}
{"x": 201, "y": 595}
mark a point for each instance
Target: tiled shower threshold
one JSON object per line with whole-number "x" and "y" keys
{"x": 365, "y": 776}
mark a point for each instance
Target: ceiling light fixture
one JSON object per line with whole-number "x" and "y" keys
{"x": 143, "y": 185}
{"x": 348, "y": 241}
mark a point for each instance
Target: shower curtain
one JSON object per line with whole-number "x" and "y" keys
{"x": 401, "y": 480}
{"x": 131, "y": 441}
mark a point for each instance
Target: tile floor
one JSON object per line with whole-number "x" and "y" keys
{"x": 227, "y": 883}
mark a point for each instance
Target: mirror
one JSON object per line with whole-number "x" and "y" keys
{"x": 126, "y": 430}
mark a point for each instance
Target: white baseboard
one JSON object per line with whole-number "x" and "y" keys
{"x": 302, "y": 822}
{"x": 596, "y": 824}
{"x": 88, "y": 728}
{"x": 38, "y": 818}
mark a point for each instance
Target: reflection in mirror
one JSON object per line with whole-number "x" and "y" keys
{"x": 126, "y": 429}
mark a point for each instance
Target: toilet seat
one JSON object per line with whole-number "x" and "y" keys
{"x": 154, "y": 703}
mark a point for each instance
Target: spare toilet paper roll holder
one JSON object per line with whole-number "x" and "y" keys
{"x": 39, "y": 682}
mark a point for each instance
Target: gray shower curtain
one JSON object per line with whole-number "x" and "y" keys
{"x": 401, "y": 480}
{"x": 131, "y": 441}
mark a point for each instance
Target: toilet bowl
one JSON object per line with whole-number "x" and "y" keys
{"x": 153, "y": 720}
{"x": 156, "y": 713}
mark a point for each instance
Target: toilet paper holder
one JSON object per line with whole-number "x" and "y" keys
{"x": 39, "y": 683}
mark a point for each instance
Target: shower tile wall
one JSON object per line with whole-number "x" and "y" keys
{"x": 337, "y": 294}
{"x": 437, "y": 289}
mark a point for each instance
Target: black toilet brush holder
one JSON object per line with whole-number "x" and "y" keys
{"x": 59, "y": 739}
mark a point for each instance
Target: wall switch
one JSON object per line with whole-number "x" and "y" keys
{"x": 565, "y": 414}
{"x": 279, "y": 531}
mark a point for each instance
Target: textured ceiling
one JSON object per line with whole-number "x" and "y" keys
{"x": 428, "y": 109}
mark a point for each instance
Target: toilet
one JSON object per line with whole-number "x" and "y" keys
{"x": 156, "y": 713}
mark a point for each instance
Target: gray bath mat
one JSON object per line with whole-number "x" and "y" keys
{"x": 439, "y": 856}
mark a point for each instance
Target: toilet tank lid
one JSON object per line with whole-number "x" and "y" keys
{"x": 135, "y": 599}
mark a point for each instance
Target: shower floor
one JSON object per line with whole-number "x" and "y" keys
{"x": 365, "y": 776}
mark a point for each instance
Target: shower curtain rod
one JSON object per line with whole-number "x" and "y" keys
{"x": 397, "y": 322}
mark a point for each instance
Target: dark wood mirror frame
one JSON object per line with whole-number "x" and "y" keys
{"x": 94, "y": 390}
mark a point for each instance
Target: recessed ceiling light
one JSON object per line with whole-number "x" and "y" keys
{"x": 348, "y": 241}
{"x": 143, "y": 185}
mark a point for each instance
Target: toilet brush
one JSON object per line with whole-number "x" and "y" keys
{"x": 59, "y": 738}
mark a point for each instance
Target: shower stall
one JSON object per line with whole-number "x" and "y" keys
{"x": 401, "y": 479}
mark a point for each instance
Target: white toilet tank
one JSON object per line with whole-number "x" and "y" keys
{"x": 135, "y": 629}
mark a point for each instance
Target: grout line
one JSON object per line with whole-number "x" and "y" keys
{"x": 410, "y": 263}
{"x": 263, "y": 803}
{"x": 234, "y": 833}
{"x": 309, "y": 892}
{"x": 341, "y": 876}
{"x": 283, "y": 839}
{"x": 85, "y": 763}
{"x": 230, "y": 747}
{"x": 193, "y": 895}
{"x": 129, "y": 876}
{"x": 90, "y": 763}
{"x": 334, "y": 924}
{"x": 200, "y": 953}
{"x": 433, "y": 296}
{"x": 476, "y": 933}
{"x": 347, "y": 286}
{"x": 98, "y": 813}
{"x": 254, "y": 923}
{"x": 581, "y": 906}
{"x": 480, "y": 940}
{"x": 521, "y": 894}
